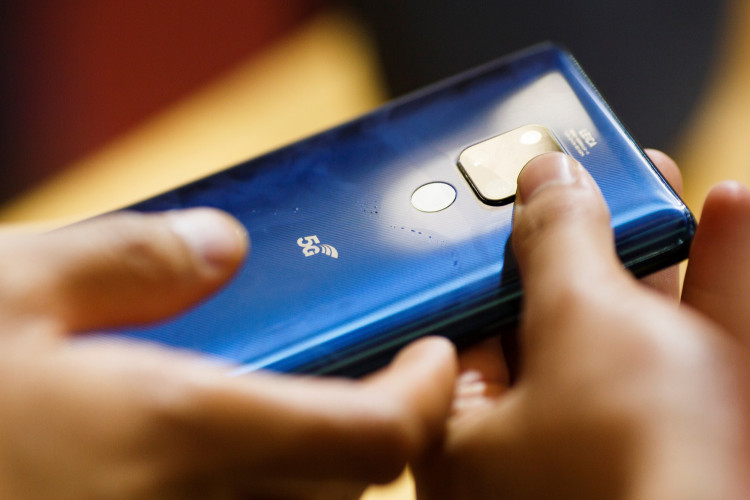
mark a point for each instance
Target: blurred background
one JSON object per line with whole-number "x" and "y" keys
{"x": 105, "y": 102}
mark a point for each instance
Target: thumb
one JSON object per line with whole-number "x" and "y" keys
{"x": 562, "y": 237}
{"x": 328, "y": 428}
{"x": 121, "y": 269}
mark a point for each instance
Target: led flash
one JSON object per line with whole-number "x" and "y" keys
{"x": 530, "y": 137}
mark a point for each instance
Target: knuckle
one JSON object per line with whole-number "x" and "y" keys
{"x": 553, "y": 208}
{"x": 21, "y": 272}
{"x": 148, "y": 250}
{"x": 564, "y": 308}
{"x": 171, "y": 405}
{"x": 571, "y": 301}
{"x": 576, "y": 300}
{"x": 163, "y": 403}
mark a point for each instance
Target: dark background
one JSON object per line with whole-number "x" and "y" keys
{"x": 649, "y": 58}
{"x": 76, "y": 73}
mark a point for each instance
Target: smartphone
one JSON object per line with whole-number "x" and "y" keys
{"x": 396, "y": 225}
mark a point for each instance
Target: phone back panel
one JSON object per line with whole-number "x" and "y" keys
{"x": 399, "y": 273}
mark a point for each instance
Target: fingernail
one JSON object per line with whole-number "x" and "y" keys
{"x": 212, "y": 235}
{"x": 545, "y": 170}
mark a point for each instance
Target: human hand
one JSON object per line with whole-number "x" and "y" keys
{"x": 621, "y": 394}
{"x": 111, "y": 419}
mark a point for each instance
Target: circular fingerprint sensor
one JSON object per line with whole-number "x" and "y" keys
{"x": 433, "y": 197}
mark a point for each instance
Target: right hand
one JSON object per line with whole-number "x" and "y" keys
{"x": 621, "y": 394}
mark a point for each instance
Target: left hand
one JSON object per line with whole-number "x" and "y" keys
{"x": 115, "y": 419}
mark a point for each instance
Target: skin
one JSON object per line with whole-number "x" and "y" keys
{"x": 106, "y": 419}
{"x": 622, "y": 392}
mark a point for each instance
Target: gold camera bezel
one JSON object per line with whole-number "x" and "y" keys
{"x": 492, "y": 166}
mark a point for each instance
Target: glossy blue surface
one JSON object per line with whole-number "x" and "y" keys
{"x": 401, "y": 273}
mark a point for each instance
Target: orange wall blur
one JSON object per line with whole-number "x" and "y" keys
{"x": 79, "y": 72}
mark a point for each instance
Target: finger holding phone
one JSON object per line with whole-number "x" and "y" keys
{"x": 621, "y": 392}
{"x": 98, "y": 418}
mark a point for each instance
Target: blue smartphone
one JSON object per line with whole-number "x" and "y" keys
{"x": 396, "y": 225}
